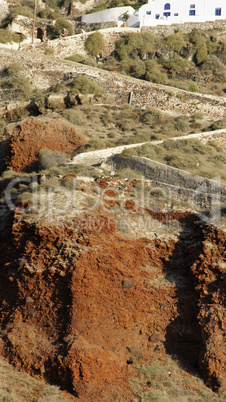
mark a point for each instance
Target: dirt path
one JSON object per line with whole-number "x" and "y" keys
{"x": 100, "y": 156}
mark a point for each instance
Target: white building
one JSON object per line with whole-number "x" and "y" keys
{"x": 165, "y": 12}
{"x": 162, "y": 12}
{"x": 113, "y": 15}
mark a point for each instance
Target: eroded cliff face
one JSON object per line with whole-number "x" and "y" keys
{"x": 84, "y": 302}
{"x": 28, "y": 137}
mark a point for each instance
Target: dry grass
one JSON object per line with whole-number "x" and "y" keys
{"x": 18, "y": 386}
{"x": 207, "y": 160}
{"x": 167, "y": 381}
{"x": 126, "y": 124}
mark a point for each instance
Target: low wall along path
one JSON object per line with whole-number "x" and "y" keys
{"x": 46, "y": 71}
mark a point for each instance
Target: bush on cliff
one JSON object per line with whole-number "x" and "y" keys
{"x": 175, "y": 41}
{"x": 95, "y": 44}
{"x": 62, "y": 26}
{"x": 17, "y": 82}
{"x": 199, "y": 44}
{"x": 8, "y": 37}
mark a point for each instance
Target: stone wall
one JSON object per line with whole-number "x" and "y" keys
{"x": 166, "y": 174}
{"x": 187, "y": 27}
{"x": 95, "y": 27}
{"x": 46, "y": 71}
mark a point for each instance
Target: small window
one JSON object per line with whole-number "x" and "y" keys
{"x": 157, "y": 16}
{"x": 167, "y": 14}
{"x": 176, "y": 14}
{"x": 218, "y": 11}
{"x": 192, "y": 6}
{"x": 192, "y": 12}
{"x": 148, "y": 12}
{"x": 167, "y": 6}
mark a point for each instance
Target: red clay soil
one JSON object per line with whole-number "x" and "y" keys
{"x": 31, "y": 135}
{"x": 80, "y": 307}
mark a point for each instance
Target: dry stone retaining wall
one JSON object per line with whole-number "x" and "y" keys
{"x": 187, "y": 27}
{"x": 47, "y": 71}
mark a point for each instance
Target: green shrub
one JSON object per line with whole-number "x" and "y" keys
{"x": 74, "y": 116}
{"x": 8, "y": 37}
{"x": 129, "y": 173}
{"x": 77, "y": 58}
{"x": 198, "y": 116}
{"x": 220, "y": 124}
{"x": 170, "y": 144}
{"x": 212, "y": 46}
{"x": 17, "y": 82}
{"x": 95, "y": 44}
{"x": 61, "y": 26}
{"x": 49, "y": 159}
{"x": 199, "y": 44}
{"x": 135, "y": 44}
{"x": 47, "y": 13}
{"x": 148, "y": 151}
{"x": 152, "y": 117}
{"x": 136, "y": 67}
{"x": 97, "y": 143}
{"x": 192, "y": 88}
{"x": 85, "y": 85}
{"x": 212, "y": 65}
{"x": 180, "y": 96}
{"x": 22, "y": 87}
{"x": 175, "y": 41}
{"x": 14, "y": 69}
{"x": 98, "y": 8}
{"x": 181, "y": 161}
{"x": 127, "y": 153}
{"x": 70, "y": 183}
{"x": 181, "y": 124}
{"x": 177, "y": 65}
{"x": 153, "y": 73}
{"x": 49, "y": 51}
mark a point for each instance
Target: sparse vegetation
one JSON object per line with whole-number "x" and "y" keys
{"x": 6, "y": 36}
{"x": 17, "y": 82}
{"x": 74, "y": 116}
{"x": 129, "y": 173}
{"x": 192, "y": 155}
{"x": 48, "y": 159}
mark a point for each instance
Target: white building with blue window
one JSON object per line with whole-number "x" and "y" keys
{"x": 162, "y": 12}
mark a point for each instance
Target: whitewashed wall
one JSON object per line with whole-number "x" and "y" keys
{"x": 204, "y": 11}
